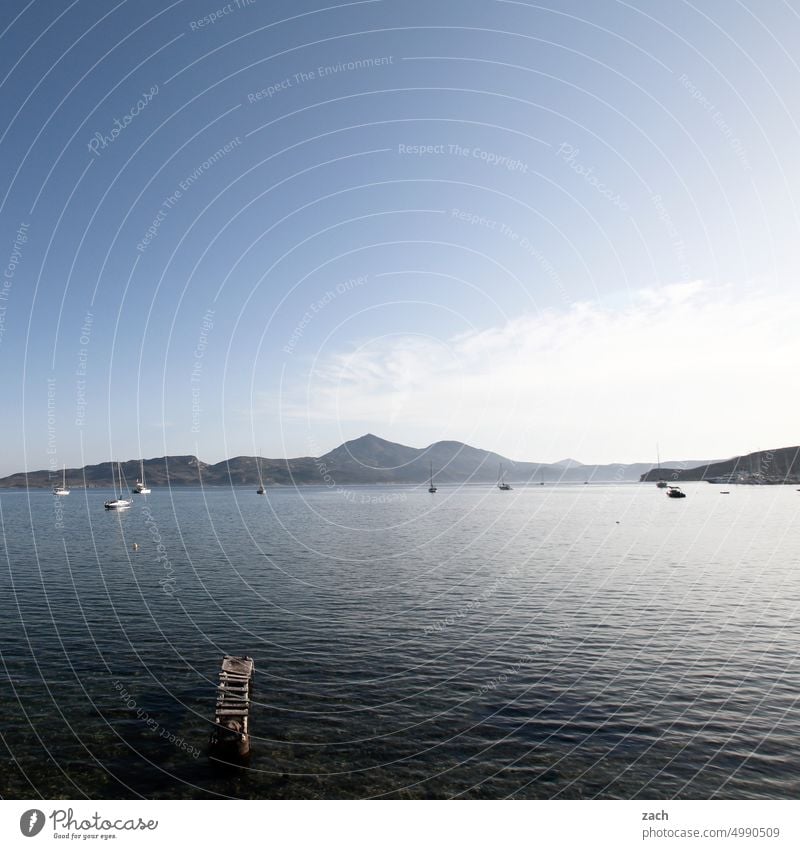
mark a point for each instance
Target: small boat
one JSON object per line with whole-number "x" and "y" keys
{"x": 117, "y": 503}
{"x": 260, "y": 490}
{"x": 661, "y": 483}
{"x": 501, "y": 481}
{"x": 140, "y": 488}
{"x": 724, "y": 492}
{"x": 431, "y": 488}
{"x": 62, "y": 490}
{"x": 675, "y": 492}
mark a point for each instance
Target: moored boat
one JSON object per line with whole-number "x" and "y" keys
{"x": 62, "y": 490}
{"x": 139, "y": 487}
{"x": 117, "y": 502}
{"x": 661, "y": 483}
{"x": 260, "y": 490}
{"x": 501, "y": 480}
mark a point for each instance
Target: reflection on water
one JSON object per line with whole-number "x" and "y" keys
{"x": 565, "y": 641}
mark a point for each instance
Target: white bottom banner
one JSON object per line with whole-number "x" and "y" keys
{"x": 392, "y": 825}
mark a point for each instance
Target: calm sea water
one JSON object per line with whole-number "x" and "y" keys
{"x": 549, "y": 642}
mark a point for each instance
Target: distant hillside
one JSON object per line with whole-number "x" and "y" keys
{"x": 370, "y": 459}
{"x": 184, "y": 470}
{"x": 366, "y": 460}
{"x": 779, "y": 465}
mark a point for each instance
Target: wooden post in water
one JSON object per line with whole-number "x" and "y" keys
{"x": 230, "y": 739}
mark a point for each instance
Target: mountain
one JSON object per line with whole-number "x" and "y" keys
{"x": 368, "y": 454}
{"x": 180, "y": 470}
{"x": 366, "y": 460}
{"x": 371, "y": 459}
{"x": 779, "y": 465}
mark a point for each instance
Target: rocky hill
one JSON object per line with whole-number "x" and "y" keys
{"x": 779, "y": 465}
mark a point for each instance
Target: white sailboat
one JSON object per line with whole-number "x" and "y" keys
{"x": 431, "y": 488}
{"x": 501, "y": 480}
{"x": 117, "y": 503}
{"x": 62, "y": 490}
{"x": 139, "y": 487}
{"x": 260, "y": 490}
{"x": 661, "y": 483}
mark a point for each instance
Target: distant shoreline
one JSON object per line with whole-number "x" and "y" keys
{"x": 371, "y": 460}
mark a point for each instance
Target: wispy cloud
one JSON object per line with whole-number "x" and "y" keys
{"x": 707, "y": 370}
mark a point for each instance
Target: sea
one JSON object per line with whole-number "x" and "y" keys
{"x": 551, "y": 642}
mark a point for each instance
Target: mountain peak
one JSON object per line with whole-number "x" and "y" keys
{"x": 568, "y": 463}
{"x": 367, "y": 439}
{"x": 371, "y": 452}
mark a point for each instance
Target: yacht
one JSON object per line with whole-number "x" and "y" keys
{"x": 117, "y": 502}
{"x": 140, "y": 488}
{"x": 431, "y": 488}
{"x": 260, "y": 490}
{"x": 675, "y": 492}
{"x": 661, "y": 483}
{"x": 501, "y": 480}
{"x": 62, "y": 490}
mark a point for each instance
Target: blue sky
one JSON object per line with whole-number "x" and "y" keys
{"x": 557, "y": 229}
